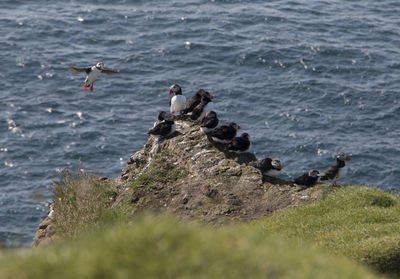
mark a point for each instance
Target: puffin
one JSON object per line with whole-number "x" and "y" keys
{"x": 192, "y": 103}
{"x": 163, "y": 115}
{"x": 201, "y": 109}
{"x": 225, "y": 133}
{"x": 240, "y": 144}
{"x": 308, "y": 179}
{"x": 209, "y": 122}
{"x": 163, "y": 129}
{"x": 92, "y": 73}
{"x": 270, "y": 167}
{"x": 336, "y": 171}
{"x": 178, "y": 101}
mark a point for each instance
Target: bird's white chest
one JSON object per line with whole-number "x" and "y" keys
{"x": 93, "y": 75}
{"x": 273, "y": 173}
{"x": 207, "y": 108}
{"x": 341, "y": 173}
{"x": 178, "y": 103}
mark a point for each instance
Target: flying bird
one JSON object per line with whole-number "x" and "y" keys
{"x": 92, "y": 73}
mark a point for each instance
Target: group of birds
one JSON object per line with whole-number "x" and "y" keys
{"x": 199, "y": 109}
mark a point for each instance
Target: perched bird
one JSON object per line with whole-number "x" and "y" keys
{"x": 337, "y": 171}
{"x": 163, "y": 129}
{"x": 192, "y": 103}
{"x": 268, "y": 166}
{"x": 209, "y": 122}
{"x": 240, "y": 144}
{"x": 92, "y": 74}
{"x": 201, "y": 109}
{"x": 163, "y": 115}
{"x": 225, "y": 133}
{"x": 308, "y": 179}
{"x": 178, "y": 101}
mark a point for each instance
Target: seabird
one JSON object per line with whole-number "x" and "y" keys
{"x": 337, "y": 171}
{"x": 240, "y": 144}
{"x": 178, "y": 101}
{"x": 163, "y": 129}
{"x": 92, "y": 74}
{"x": 268, "y": 166}
{"x": 308, "y": 179}
{"x": 163, "y": 115}
{"x": 201, "y": 109}
{"x": 192, "y": 103}
{"x": 225, "y": 133}
{"x": 209, "y": 122}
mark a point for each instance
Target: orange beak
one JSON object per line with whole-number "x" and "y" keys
{"x": 348, "y": 158}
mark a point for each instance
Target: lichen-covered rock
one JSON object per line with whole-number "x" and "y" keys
{"x": 210, "y": 183}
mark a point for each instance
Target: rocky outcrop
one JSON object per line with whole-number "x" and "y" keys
{"x": 210, "y": 183}
{"x": 194, "y": 178}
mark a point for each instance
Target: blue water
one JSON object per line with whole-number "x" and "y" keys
{"x": 305, "y": 78}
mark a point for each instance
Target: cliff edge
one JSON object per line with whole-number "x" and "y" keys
{"x": 194, "y": 178}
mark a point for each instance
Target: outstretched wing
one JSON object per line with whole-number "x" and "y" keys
{"x": 108, "y": 72}
{"x": 79, "y": 70}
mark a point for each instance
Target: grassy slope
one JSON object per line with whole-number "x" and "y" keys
{"x": 164, "y": 248}
{"x": 359, "y": 222}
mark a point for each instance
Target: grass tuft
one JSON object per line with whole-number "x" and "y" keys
{"x": 82, "y": 202}
{"x": 155, "y": 247}
{"x": 360, "y": 222}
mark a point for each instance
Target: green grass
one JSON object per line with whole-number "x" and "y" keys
{"x": 360, "y": 222}
{"x": 82, "y": 202}
{"x": 157, "y": 247}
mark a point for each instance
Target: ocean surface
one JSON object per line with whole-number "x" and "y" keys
{"x": 305, "y": 79}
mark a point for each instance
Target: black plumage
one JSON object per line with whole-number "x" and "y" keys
{"x": 193, "y": 102}
{"x": 163, "y": 128}
{"x": 240, "y": 144}
{"x": 225, "y": 133}
{"x": 209, "y": 122}
{"x": 308, "y": 179}
{"x": 268, "y": 166}
{"x": 163, "y": 115}
{"x": 336, "y": 171}
{"x": 205, "y": 99}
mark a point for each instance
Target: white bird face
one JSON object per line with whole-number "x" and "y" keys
{"x": 100, "y": 65}
{"x": 313, "y": 173}
{"x": 175, "y": 89}
{"x": 343, "y": 156}
{"x": 211, "y": 114}
{"x": 276, "y": 163}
